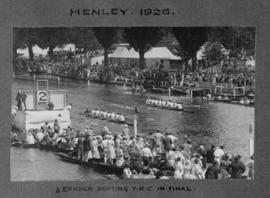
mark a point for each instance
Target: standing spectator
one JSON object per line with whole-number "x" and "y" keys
{"x": 212, "y": 171}
{"x": 80, "y": 146}
{"x": 86, "y": 148}
{"x": 218, "y": 154}
{"x": 179, "y": 169}
{"x": 56, "y": 126}
{"x": 197, "y": 170}
{"x": 237, "y": 168}
{"x": 167, "y": 144}
{"x": 203, "y": 155}
{"x": 19, "y": 101}
{"x": 146, "y": 155}
{"x": 224, "y": 166}
{"x": 94, "y": 149}
{"x": 210, "y": 154}
{"x": 250, "y": 167}
{"x": 24, "y": 96}
{"x": 188, "y": 148}
{"x": 50, "y": 106}
{"x": 111, "y": 150}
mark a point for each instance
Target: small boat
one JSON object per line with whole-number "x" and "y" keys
{"x": 16, "y": 144}
{"x": 159, "y": 90}
{"x": 178, "y": 91}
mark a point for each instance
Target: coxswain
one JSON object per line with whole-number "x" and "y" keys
{"x": 136, "y": 109}
{"x": 126, "y": 131}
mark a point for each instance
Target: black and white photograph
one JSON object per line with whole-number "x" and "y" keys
{"x": 113, "y": 103}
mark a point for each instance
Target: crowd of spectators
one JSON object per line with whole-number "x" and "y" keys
{"x": 149, "y": 77}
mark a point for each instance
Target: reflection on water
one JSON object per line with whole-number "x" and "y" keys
{"x": 217, "y": 123}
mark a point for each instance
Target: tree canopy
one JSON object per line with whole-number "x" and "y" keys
{"x": 142, "y": 39}
{"x": 190, "y": 40}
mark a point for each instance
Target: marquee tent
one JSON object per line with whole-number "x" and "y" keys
{"x": 36, "y": 50}
{"x": 67, "y": 47}
{"x": 123, "y": 56}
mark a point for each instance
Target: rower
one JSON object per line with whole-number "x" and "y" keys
{"x": 163, "y": 103}
{"x": 122, "y": 118}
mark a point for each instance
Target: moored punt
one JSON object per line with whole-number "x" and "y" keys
{"x": 97, "y": 166}
{"x": 16, "y": 144}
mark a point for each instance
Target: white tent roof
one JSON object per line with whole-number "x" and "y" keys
{"x": 130, "y": 54}
{"x": 67, "y": 47}
{"x": 153, "y": 53}
{"x": 161, "y": 53}
{"x": 118, "y": 52}
{"x": 36, "y": 50}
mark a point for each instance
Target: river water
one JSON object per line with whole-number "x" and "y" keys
{"x": 216, "y": 123}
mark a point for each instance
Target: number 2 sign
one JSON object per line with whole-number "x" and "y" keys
{"x": 42, "y": 96}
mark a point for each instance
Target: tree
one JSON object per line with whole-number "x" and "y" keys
{"x": 24, "y": 37}
{"x": 142, "y": 39}
{"x": 213, "y": 53}
{"x": 190, "y": 40}
{"x": 52, "y": 37}
{"x": 106, "y": 36}
{"x": 239, "y": 40}
{"x": 83, "y": 38}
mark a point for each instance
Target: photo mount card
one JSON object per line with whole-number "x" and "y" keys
{"x": 35, "y": 172}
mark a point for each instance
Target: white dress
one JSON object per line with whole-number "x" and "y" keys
{"x": 179, "y": 170}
